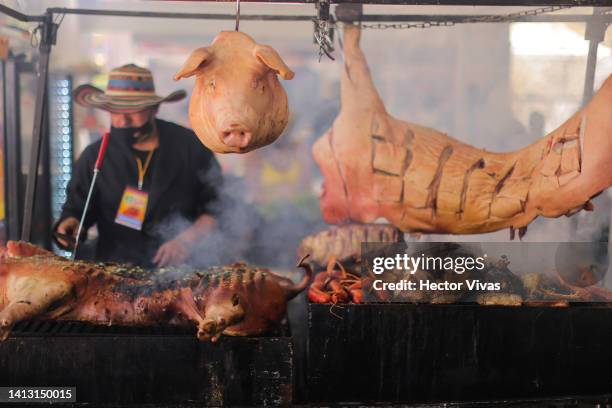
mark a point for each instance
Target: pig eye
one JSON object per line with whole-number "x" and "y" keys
{"x": 259, "y": 84}
{"x": 212, "y": 85}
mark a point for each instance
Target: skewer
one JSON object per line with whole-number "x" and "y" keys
{"x": 91, "y": 188}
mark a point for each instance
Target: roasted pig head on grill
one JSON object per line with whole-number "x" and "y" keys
{"x": 344, "y": 242}
{"x": 422, "y": 180}
{"x": 234, "y": 300}
{"x": 238, "y": 104}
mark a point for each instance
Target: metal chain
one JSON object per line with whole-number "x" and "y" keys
{"x": 35, "y": 35}
{"x": 502, "y": 18}
{"x": 323, "y": 33}
{"x": 322, "y": 36}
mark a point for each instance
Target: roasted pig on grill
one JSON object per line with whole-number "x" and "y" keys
{"x": 422, "y": 180}
{"x": 235, "y": 300}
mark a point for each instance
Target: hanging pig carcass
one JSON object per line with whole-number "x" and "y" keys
{"x": 422, "y": 180}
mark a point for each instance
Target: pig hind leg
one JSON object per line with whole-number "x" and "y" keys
{"x": 34, "y": 297}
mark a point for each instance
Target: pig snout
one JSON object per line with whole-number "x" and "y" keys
{"x": 236, "y": 136}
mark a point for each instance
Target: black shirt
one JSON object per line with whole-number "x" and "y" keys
{"x": 182, "y": 181}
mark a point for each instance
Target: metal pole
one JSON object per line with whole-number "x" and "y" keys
{"x": 48, "y": 34}
{"x": 589, "y": 78}
{"x": 12, "y": 148}
{"x": 528, "y": 3}
{"x": 594, "y": 33}
{"x": 237, "y": 15}
{"x": 19, "y": 16}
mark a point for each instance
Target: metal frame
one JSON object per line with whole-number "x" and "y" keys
{"x": 596, "y": 27}
{"x": 374, "y": 18}
{"x": 595, "y": 33}
{"x": 48, "y": 30}
{"x": 18, "y": 15}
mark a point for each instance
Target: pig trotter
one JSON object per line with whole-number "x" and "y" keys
{"x": 522, "y": 231}
{"x": 211, "y": 329}
{"x": 5, "y": 328}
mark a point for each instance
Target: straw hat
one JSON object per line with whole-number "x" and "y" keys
{"x": 130, "y": 89}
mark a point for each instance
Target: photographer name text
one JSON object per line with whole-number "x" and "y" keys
{"x": 427, "y": 285}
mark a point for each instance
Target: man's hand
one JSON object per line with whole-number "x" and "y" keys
{"x": 70, "y": 227}
{"x": 173, "y": 252}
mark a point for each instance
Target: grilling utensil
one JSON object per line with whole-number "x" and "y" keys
{"x": 97, "y": 166}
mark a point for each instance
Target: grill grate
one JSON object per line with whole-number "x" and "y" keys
{"x": 71, "y": 328}
{"x": 41, "y": 328}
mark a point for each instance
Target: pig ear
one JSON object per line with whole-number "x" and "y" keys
{"x": 268, "y": 56}
{"x": 194, "y": 63}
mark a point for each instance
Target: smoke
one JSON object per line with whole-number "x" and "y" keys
{"x": 243, "y": 233}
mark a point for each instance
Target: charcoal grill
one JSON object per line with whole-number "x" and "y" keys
{"x": 149, "y": 365}
{"x": 408, "y": 353}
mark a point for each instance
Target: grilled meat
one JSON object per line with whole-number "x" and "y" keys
{"x": 551, "y": 290}
{"x": 512, "y": 291}
{"x": 438, "y": 274}
{"x": 343, "y": 243}
{"x": 234, "y": 300}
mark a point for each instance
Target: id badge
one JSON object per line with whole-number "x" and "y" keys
{"x": 132, "y": 208}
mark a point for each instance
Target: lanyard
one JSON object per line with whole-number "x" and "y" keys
{"x": 142, "y": 170}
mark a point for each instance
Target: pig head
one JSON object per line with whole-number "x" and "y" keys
{"x": 422, "y": 180}
{"x": 238, "y": 104}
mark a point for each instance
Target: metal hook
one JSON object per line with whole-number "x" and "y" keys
{"x": 34, "y": 39}
{"x": 323, "y": 31}
{"x": 237, "y": 15}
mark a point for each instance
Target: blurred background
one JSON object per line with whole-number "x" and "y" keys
{"x": 496, "y": 86}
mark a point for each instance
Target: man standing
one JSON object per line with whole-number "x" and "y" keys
{"x": 156, "y": 193}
